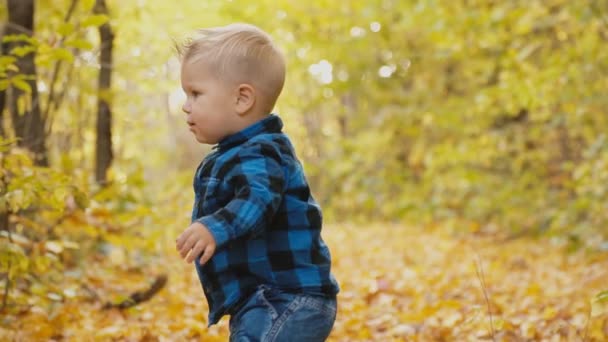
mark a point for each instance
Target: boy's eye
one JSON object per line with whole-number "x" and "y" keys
{"x": 195, "y": 93}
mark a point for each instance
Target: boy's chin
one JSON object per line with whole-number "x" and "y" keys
{"x": 203, "y": 140}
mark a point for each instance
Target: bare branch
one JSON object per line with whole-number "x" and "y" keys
{"x": 52, "y": 101}
{"x": 140, "y": 296}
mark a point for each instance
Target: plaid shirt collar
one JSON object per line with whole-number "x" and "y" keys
{"x": 270, "y": 124}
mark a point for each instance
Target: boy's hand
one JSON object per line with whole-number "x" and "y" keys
{"x": 196, "y": 239}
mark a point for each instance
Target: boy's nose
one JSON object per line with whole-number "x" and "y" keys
{"x": 186, "y": 107}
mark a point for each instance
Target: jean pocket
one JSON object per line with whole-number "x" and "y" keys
{"x": 252, "y": 319}
{"x": 276, "y": 300}
{"x": 305, "y": 318}
{"x": 326, "y": 306}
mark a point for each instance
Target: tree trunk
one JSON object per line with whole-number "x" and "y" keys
{"x": 2, "y": 91}
{"x": 27, "y": 120}
{"x": 2, "y": 97}
{"x": 3, "y": 211}
{"x": 104, "y": 114}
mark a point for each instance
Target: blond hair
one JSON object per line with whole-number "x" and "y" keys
{"x": 240, "y": 53}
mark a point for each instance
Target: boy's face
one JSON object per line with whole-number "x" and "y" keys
{"x": 210, "y": 103}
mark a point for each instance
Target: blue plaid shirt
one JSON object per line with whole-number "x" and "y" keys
{"x": 251, "y": 193}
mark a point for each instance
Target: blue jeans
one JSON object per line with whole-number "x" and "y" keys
{"x": 273, "y": 315}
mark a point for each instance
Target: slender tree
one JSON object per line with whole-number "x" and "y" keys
{"x": 3, "y": 211}
{"x": 2, "y": 91}
{"x": 104, "y": 114}
{"x": 27, "y": 120}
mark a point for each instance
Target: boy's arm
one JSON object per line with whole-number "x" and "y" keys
{"x": 258, "y": 180}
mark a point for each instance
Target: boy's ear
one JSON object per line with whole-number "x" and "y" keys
{"x": 245, "y": 98}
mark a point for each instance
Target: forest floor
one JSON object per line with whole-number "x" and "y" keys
{"x": 397, "y": 284}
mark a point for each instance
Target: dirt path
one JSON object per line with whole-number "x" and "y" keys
{"x": 398, "y": 284}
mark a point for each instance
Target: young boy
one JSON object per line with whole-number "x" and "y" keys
{"x": 255, "y": 232}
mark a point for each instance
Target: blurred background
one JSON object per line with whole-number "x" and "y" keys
{"x": 416, "y": 121}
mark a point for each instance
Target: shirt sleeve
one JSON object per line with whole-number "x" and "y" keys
{"x": 258, "y": 181}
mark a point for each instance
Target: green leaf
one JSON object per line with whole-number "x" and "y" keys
{"x": 65, "y": 29}
{"x": 21, "y": 51}
{"x": 12, "y": 67}
{"x": 81, "y": 199}
{"x": 82, "y": 44}
{"x": 22, "y": 84}
{"x": 4, "y": 84}
{"x": 88, "y": 5}
{"x": 63, "y": 54}
{"x": 7, "y": 60}
{"x": 602, "y": 296}
{"x": 95, "y": 20}
{"x": 11, "y": 38}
